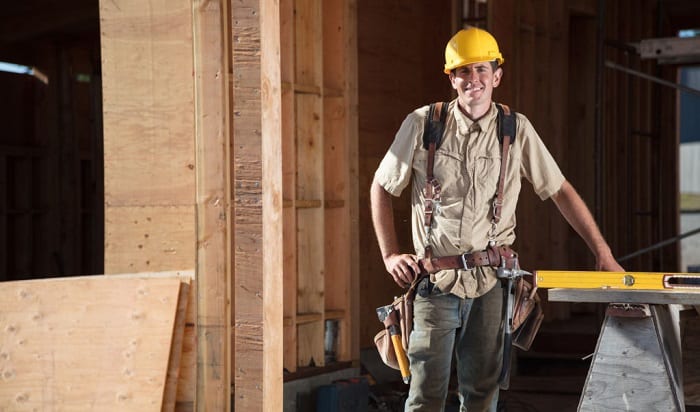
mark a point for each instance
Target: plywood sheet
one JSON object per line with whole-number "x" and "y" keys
{"x": 92, "y": 343}
{"x": 182, "y": 369}
{"x": 156, "y": 238}
{"x": 148, "y": 102}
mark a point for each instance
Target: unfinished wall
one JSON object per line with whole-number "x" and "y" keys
{"x": 151, "y": 202}
{"x": 245, "y": 171}
{"x": 320, "y": 203}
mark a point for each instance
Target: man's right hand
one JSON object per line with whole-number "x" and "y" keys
{"x": 402, "y": 267}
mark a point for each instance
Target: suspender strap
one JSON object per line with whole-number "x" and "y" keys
{"x": 506, "y": 133}
{"x": 432, "y": 136}
{"x": 435, "y": 124}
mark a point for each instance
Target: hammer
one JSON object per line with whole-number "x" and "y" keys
{"x": 509, "y": 276}
{"x": 387, "y": 315}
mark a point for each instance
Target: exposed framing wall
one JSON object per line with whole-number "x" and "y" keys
{"x": 320, "y": 198}
{"x": 218, "y": 189}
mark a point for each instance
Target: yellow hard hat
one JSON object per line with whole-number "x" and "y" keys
{"x": 469, "y": 46}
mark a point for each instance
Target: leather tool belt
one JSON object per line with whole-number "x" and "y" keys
{"x": 493, "y": 256}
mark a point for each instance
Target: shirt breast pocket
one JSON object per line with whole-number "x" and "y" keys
{"x": 486, "y": 179}
{"x": 450, "y": 171}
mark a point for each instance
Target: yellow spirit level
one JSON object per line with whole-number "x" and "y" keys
{"x": 617, "y": 280}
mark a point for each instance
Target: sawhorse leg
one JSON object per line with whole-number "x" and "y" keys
{"x": 636, "y": 365}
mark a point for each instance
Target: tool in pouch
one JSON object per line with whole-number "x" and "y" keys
{"x": 392, "y": 341}
{"x": 522, "y": 309}
{"x": 522, "y": 312}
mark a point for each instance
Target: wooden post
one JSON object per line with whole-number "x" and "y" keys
{"x": 212, "y": 135}
{"x": 273, "y": 213}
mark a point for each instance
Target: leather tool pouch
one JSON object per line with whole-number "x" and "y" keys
{"x": 403, "y": 306}
{"x": 527, "y": 314}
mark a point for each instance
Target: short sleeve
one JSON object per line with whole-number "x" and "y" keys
{"x": 394, "y": 171}
{"x": 538, "y": 165}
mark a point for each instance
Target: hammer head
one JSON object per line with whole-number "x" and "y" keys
{"x": 505, "y": 273}
{"x": 383, "y": 312}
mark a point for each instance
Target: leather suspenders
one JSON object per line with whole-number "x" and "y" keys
{"x": 432, "y": 137}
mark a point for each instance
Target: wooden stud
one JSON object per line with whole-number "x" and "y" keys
{"x": 336, "y": 144}
{"x": 212, "y": 159}
{"x": 309, "y": 128}
{"x": 274, "y": 256}
{"x": 289, "y": 162}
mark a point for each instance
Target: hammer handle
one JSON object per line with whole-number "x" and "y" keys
{"x": 401, "y": 358}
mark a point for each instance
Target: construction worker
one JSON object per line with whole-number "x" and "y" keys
{"x": 460, "y": 311}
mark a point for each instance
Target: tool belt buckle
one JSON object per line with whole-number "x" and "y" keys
{"x": 464, "y": 262}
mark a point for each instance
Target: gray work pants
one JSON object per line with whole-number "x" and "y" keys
{"x": 444, "y": 324}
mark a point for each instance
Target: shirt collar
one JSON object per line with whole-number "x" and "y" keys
{"x": 465, "y": 124}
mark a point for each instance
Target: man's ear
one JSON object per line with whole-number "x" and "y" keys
{"x": 497, "y": 75}
{"x": 451, "y": 76}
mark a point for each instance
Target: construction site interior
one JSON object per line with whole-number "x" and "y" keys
{"x": 184, "y": 189}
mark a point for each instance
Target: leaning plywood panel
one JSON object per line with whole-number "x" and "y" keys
{"x": 181, "y": 382}
{"x": 92, "y": 343}
{"x": 175, "y": 364}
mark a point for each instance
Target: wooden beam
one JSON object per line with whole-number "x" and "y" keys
{"x": 212, "y": 135}
{"x": 247, "y": 193}
{"x": 272, "y": 200}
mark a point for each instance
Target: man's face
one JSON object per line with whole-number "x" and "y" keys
{"x": 475, "y": 83}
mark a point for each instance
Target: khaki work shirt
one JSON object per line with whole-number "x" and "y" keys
{"x": 467, "y": 165}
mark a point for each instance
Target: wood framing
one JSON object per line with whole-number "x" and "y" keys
{"x": 273, "y": 212}
{"x": 319, "y": 141}
{"x": 213, "y": 201}
{"x": 247, "y": 213}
